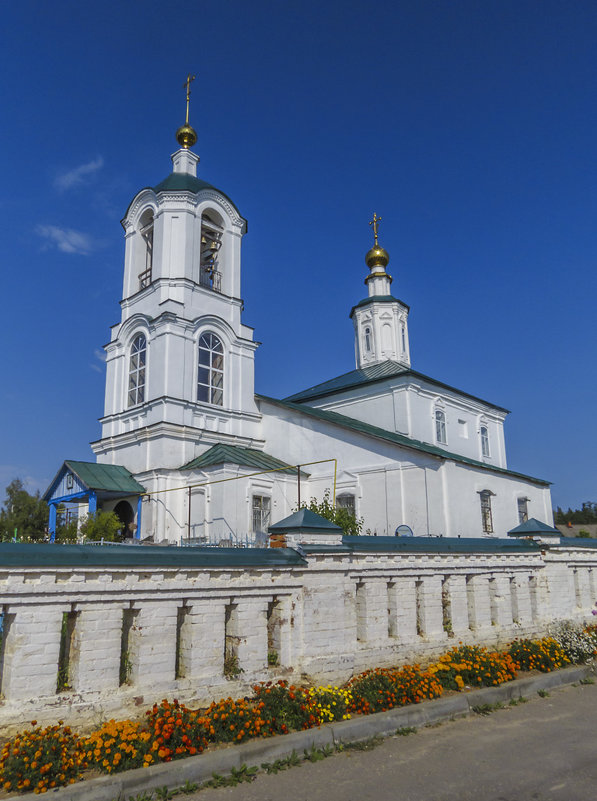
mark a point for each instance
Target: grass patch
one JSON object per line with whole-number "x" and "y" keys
{"x": 487, "y": 709}
{"x": 364, "y": 745}
{"x": 405, "y": 731}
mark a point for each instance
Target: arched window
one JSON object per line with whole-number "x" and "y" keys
{"x": 484, "y": 441}
{"x": 440, "y": 427}
{"x": 138, "y": 361}
{"x": 210, "y": 379}
{"x": 368, "y": 340}
{"x": 486, "y": 519}
{"x": 146, "y": 232}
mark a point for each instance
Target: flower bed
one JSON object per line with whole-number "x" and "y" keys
{"x": 473, "y": 666}
{"x": 41, "y": 759}
{"x": 543, "y": 655}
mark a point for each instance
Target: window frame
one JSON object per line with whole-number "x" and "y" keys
{"x": 340, "y": 504}
{"x": 485, "y": 449}
{"x": 261, "y": 511}
{"x": 213, "y": 391}
{"x": 486, "y": 511}
{"x": 522, "y": 508}
{"x": 137, "y": 371}
{"x": 368, "y": 339}
{"x": 441, "y": 430}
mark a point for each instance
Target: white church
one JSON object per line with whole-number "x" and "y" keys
{"x": 189, "y": 451}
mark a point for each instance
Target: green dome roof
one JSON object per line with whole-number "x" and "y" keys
{"x": 182, "y": 182}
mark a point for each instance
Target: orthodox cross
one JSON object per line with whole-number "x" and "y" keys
{"x": 187, "y": 85}
{"x": 375, "y": 223}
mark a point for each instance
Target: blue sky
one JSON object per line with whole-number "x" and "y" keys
{"x": 470, "y": 127}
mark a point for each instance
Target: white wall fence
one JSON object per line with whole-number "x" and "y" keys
{"x": 116, "y": 629}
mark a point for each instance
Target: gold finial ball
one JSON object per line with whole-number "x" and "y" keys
{"x": 186, "y": 136}
{"x": 377, "y": 257}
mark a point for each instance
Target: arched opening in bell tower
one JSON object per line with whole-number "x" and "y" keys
{"x": 146, "y": 247}
{"x": 210, "y": 274}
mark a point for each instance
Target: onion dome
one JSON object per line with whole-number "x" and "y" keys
{"x": 377, "y": 257}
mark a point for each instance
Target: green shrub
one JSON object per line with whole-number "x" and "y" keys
{"x": 102, "y": 526}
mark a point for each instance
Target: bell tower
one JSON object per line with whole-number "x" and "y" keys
{"x": 380, "y": 320}
{"x": 180, "y": 363}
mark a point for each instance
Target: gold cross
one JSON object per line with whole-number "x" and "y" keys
{"x": 187, "y": 85}
{"x": 375, "y": 223}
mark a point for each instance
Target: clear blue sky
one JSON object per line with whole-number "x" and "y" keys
{"x": 470, "y": 127}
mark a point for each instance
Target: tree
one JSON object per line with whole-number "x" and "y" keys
{"x": 26, "y": 513}
{"x": 102, "y": 526}
{"x": 587, "y": 514}
{"x": 350, "y": 524}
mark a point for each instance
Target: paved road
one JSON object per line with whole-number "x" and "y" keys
{"x": 544, "y": 750}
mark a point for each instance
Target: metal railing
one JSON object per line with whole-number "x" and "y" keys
{"x": 211, "y": 279}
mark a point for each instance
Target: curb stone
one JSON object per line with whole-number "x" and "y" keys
{"x": 200, "y": 768}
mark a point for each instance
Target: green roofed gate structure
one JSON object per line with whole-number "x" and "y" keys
{"x": 76, "y": 482}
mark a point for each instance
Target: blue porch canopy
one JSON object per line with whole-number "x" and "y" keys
{"x": 76, "y": 482}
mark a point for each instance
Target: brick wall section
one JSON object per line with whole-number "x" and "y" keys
{"x": 339, "y": 613}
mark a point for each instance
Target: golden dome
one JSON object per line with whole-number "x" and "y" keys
{"x": 186, "y": 136}
{"x": 377, "y": 257}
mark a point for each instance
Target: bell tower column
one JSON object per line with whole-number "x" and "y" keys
{"x": 380, "y": 320}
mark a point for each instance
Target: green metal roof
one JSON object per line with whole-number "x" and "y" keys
{"x": 108, "y": 477}
{"x": 247, "y": 457}
{"x": 369, "y": 375}
{"x": 182, "y": 182}
{"x": 305, "y": 520}
{"x": 398, "y": 439}
{"x": 99, "y": 477}
{"x": 575, "y": 542}
{"x": 534, "y": 526}
{"x": 31, "y": 555}
{"x": 437, "y": 545}
{"x": 378, "y": 299}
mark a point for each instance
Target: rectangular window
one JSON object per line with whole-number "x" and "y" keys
{"x": 346, "y": 501}
{"x": 523, "y": 510}
{"x": 262, "y": 507}
{"x": 440, "y": 427}
{"x": 463, "y": 429}
{"x": 484, "y": 441}
{"x": 486, "y": 520}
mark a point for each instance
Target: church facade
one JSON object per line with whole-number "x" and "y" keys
{"x": 219, "y": 462}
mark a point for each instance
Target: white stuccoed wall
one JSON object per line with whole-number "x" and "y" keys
{"x": 339, "y": 612}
